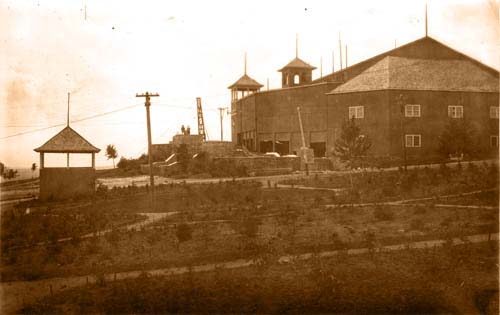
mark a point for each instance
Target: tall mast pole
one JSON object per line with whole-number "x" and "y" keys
{"x": 67, "y": 114}
{"x": 67, "y": 125}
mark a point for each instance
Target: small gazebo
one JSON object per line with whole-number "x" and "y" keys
{"x": 58, "y": 183}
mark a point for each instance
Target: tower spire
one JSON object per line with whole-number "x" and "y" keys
{"x": 321, "y": 67}
{"x": 245, "y": 62}
{"x": 333, "y": 61}
{"x": 296, "y": 45}
{"x": 340, "y": 48}
{"x": 67, "y": 114}
{"x": 426, "y": 26}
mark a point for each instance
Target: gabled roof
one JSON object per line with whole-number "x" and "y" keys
{"x": 67, "y": 141}
{"x": 409, "y": 50}
{"x": 399, "y": 73}
{"x": 246, "y": 82}
{"x": 297, "y": 63}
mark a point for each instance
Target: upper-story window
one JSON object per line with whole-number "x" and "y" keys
{"x": 412, "y": 110}
{"x": 494, "y": 112}
{"x": 356, "y": 112}
{"x": 455, "y": 111}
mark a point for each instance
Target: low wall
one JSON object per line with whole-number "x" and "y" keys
{"x": 65, "y": 183}
{"x": 259, "y": 163}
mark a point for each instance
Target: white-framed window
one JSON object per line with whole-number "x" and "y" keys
{"x": 455, "y": 111}
{"x": 494, "y": 112}
{"x": 356, "y": 112}
{"x": 413, "y": 141}
{"x": 412, "y": 110}
{"x": 494, "y": 141}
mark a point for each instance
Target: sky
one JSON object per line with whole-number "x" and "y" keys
{"x": 104, "y": 52}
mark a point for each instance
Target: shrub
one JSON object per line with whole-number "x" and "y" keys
{"x": 183, "y": 232}
{"x": 420, "y": 210}
{"x": 383, "y": 213}
{"x": 416, "y": 224}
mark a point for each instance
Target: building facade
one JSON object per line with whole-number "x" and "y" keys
{"x": 404, "y": 96}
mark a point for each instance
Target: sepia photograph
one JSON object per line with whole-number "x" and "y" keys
{"x": 249, "y": 157}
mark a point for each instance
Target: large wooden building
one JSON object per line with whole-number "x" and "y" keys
{"x": 413, "y": 90}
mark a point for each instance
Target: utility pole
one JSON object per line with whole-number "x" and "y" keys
{"x": 221, "y": 112}
{"x": 148, "y": 95}
{"x": 401, "y": 104}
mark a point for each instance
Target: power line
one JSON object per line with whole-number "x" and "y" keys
{"x": 74, "y": 121}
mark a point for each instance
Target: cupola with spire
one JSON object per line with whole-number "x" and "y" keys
{"x": 297, "y": 71}
{"x": 244, "y": 86}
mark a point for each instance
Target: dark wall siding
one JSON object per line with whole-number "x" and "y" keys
{"x": 434, "y": 118}
{"x": 375, "y": 123}
{"x": 277, "y": 118}
{"x": 65, "y": 183}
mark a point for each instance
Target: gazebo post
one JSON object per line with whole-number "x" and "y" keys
{"x": 93, "y": 160}
{"x": 41, "y": 160}
{"x": 67, "y": 160}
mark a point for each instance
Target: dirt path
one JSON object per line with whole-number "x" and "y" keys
{"x": 18, "y": 293}
{"x": 336, "y": 190}
{"x": 409, "y": 202}
{"x": 150, "y": 218}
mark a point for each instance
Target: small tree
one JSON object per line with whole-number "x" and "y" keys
{"x": 9, "y": 173}
{"x": 457, "y": 139}
{"x": 2, "y": 169}
{"x": 351, "y": 147}
{"x": 33, "y": 169}
{"x": 184, "y": 233}
{"x": 111, "y": 153}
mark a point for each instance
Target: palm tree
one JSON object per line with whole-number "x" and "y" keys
{"x": 33, "y": 169}
{"x": 111, "y": 153}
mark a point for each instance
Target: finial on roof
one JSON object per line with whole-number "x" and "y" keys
{"x": 296, "y": 45}
{"x": 340, "y": 48}
{"x": 321, "y": 66}
{"x": 245, "y": 62}
{"x": 426, "y": 26}
{"x": 67, "y": 118}
{"x": 333, "y": 61}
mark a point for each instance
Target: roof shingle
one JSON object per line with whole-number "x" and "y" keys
{"x": 297, "y": 63}
{"x": 399, "y": 73}
{"x": 67, "y": 141}
{"x": 246, "y": 82}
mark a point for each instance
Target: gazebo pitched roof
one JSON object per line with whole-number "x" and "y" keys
{"x": 67, "y": 141}
{"x": 246, "y": 82}
{"x": 297, "y": 63}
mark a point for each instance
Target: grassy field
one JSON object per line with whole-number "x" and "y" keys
{"x": 453, "y": 280}
{"x": 230, "y": 220}
{"x": 367, "y": 186}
